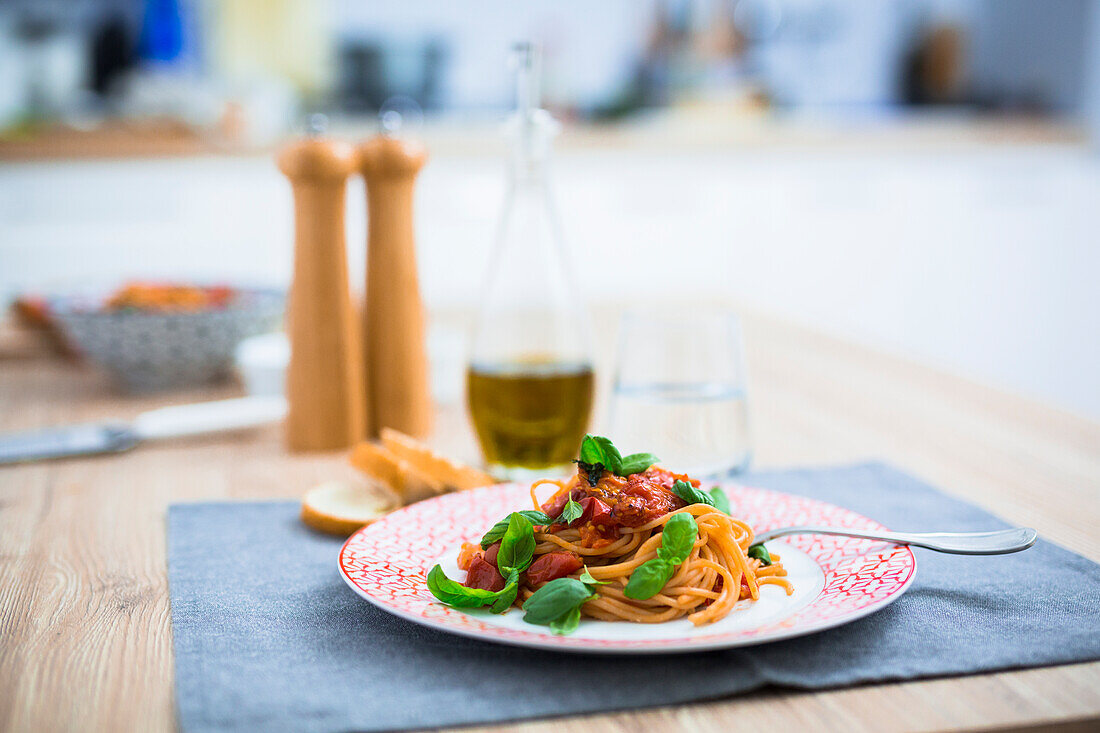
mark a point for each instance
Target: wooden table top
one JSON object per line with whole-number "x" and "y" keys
{"x": 85, "y": 635}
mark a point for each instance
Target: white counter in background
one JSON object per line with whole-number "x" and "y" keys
{"x": 983, "y": 260}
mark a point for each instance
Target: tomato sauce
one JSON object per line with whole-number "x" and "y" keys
{"x": 613, "y": 503}
{"x": 616, "y": 502}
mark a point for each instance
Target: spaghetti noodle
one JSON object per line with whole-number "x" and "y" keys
{"x": 607, "y": 526}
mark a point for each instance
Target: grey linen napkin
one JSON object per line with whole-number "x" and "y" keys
{"x": 268, "y": 637}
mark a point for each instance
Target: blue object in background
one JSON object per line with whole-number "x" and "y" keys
{"x": 161, "y": 31}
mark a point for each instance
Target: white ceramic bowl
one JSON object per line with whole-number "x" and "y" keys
{"x": 261, "y": 361}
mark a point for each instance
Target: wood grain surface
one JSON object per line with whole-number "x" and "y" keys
{"x": 85, "y": 637}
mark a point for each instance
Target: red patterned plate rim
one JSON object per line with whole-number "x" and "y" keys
{"x": 386, "y": 563}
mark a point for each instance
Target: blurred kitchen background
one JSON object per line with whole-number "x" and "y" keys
{"x": 922, "y": 176}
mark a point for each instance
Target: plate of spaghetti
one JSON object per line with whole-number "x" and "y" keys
{"x": 624, "y": 556}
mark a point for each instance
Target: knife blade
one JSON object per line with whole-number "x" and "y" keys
{"x": 74, "y": 440}
{"x": 159, "y": 424}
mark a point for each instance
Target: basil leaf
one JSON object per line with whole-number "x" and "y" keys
{"x": 636, "y": 463}
{"x": 678, "y": 538}
{"x": 648, "y": 579}
{"x": 760, "y": 553}
{"x": 455, "y": 594}
{"x": 690, "y": 494}
{"x": 677, "y": 541}
{"x": 568, "y": 622}
{"x": 536, "y": 518}
{"x": 598, "y": 452}
{"x": 591, "y": 451}
{"x": 571, "y": 512}
{"x": 508, "y": 595}
{"x": 598, "y": 449}
{"x": 721, "y": 501}
{"x": 554, "y": 599}
{"x": 517, "y": 546}
{"x": 587, "y": 579}
{"x": 614, "y": 460}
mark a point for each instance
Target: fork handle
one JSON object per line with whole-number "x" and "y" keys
{"x": 999, "y": 542}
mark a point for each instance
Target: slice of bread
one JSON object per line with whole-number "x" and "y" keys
{"x": 404, "y": 478}
{"x": 455, "y": 476}
{"x": 378, "y": 463}
{"x": 340, "y": 508}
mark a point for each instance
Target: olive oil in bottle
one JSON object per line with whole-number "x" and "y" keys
{"x": 530, "y": 382}
{"x": 530, "y": 415}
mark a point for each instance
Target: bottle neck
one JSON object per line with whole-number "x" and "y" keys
{"x": 527, "y": 172}
{"x": 532, "y": 131}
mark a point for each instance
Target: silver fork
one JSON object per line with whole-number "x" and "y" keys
{"x": 1000, "y": 542}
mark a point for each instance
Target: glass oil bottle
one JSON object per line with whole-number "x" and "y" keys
{"x": 530, "y": 379}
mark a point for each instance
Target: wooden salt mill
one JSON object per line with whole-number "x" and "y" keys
{"x": 324, "y": 382}
{"x": 397, "y": 375}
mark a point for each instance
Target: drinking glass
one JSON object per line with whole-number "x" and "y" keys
{"x": 680, "y": 391}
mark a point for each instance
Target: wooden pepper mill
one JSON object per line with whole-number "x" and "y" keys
{"x": 324, "y": 383}
{"x": 398, "y": 392}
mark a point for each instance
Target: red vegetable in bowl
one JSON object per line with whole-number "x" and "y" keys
{"x": 168, "y": 297}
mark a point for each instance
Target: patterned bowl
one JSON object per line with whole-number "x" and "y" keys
{"x": 154, "y": 350}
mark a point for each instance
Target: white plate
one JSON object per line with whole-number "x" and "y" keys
{"x": 836, "y": 579}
